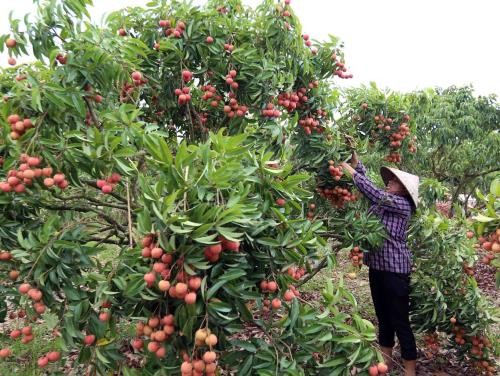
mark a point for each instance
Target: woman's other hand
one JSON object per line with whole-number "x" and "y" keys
{"x": 354, "y": 159}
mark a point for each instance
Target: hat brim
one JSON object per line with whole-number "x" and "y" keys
{"x": 387, "y": 175}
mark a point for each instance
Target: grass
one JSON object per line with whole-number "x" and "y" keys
{"x": 24, "y": 360}
{"x": 358, "y": 286}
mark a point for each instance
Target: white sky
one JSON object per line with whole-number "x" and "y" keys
{"x": 400, "y": 44}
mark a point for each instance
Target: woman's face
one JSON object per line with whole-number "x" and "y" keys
{"x": 395, "y": 187}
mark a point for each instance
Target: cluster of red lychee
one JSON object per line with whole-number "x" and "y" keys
{"x": 271, "y": 112}
{"x": 234, "y": 109}
{"x": 432, "y": 343}
{"x": 393, "y": 157}
{"x": 228, "y": 47}
{"x": 293, "y": 100}
{"x": 183, "y": 95}
{"x": 335, "y": 171}
{"x": 478, "y": 346}
{"x": 62, "y": 59}
{"x": 337, "y": 196}
{"x": 491, "y": 244}
{"x": 307, "y": 40}
{"x": 204, "y": 360}
{"x": 310, "y": 213}
{"x": 28, "y": 171}
{"x": 51, "y": 357}
{"x": 35, "y": 295}
{"x": 18, "y": 126}
{"x": 185, "y": 287}
{"x": 295, "y": 272}
{"x": 175, "y": 32}
{"x": 138, "y": 78}
{"x": 26, "y": 332}
{"x": 231, "y": 79}
{"x": 157, "y": 330}
{"x": 311, "y": 124}
{"x": 93, "y": 96}
{"x": 107, "y": 185}
{"x": 356, "y": 256}
{"x": 378, "y": 369}
{"x": 128, "y": 88}
{"x": 271, "y": 287}
{"x": 340, "y": 68}
{"x": 210, "y": 94}
{"x": 212, "y": 252}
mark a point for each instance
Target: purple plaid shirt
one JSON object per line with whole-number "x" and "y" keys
{"x": 394, "y": 212}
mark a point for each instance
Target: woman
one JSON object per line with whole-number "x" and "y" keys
{"x": 390, "y": 266}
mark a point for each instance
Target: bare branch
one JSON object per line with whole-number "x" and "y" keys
{"x": 93, "y": 115}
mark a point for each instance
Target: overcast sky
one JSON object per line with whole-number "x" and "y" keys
{"x": 400, "y": 44}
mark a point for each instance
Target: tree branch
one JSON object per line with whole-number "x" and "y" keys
{"x": 106, "y": 217}
{"x": 106, "y": 240}
{"x": 92, "y": 183}
{"x": 92, "y": 112}
{"x": 315, "y": 271}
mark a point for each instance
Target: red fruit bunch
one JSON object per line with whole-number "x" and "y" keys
{"x": 356, "y": 256}
{"x": 61, "y": 59}
{"x": 27, "y": 173}
{"x": 312, "y": 209}
{"x": 432, "y": 344}
{"x": 18, "y": 126}
{"x": 210, "y": 94}
{"x": 291, "y": 293}
{"x": 231, "y": 79}
{"x": 338, "y": 195}
{"x": 268, "y": 286}
{"x": 271, "y": 112}
{"x": 295, "y": 272}
{"x": 156, "y": 330}
{"x": 233, "y": 109}
{"x": 183, "y": 95}
{"x": 212, "y": 252}
{"x": 107, "y": 185}
{"x": 340, "y": 68}
{"x": 174, "y": 32}
{"x": 293, "y": 100}
{"x": 491, "y": 245}
{"x": 36, "y": 298}
{"x": 311, "y": 124}
{"x": 335, "y": 171}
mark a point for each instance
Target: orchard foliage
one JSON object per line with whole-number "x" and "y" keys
{"x": 486, "y": 226}
{"x": 445, "y": 297}
{"x": 147, "y": 177}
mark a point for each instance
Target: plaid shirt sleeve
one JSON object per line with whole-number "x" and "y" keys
{"x": 360, "y": 168}
{"x": 393, "y": 203}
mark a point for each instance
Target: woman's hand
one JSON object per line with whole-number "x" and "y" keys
{"x": 347, "y": 167}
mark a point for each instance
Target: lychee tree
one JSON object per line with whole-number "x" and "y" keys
{"x": 150, "y": 175}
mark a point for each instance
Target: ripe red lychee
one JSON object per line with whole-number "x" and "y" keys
{"x": 10, "y": 43}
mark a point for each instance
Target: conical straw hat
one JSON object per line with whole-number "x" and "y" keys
{"x": 409, "y": 181}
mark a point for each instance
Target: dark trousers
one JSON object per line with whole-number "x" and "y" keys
{"x": 391, "y": 298}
